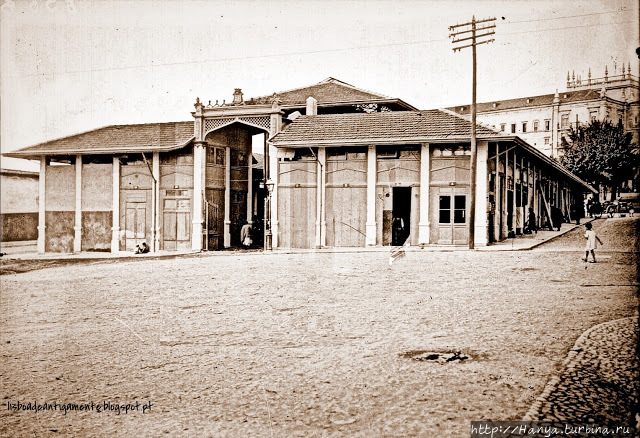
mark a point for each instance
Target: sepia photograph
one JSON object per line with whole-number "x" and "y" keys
{"x": 320, "y": 218}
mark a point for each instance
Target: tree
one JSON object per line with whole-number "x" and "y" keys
{"x": 601, "y": 153}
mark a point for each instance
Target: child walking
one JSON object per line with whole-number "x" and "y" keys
{"x": 591, "y": 237}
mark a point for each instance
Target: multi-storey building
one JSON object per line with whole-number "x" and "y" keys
{"x": 542, "y": 121}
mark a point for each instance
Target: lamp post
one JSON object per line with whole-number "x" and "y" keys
{"x": 267, "y": 215}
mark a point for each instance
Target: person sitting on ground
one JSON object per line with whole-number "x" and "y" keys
{"x": 142, "y": 248}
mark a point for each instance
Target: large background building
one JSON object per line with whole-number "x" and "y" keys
{"x": 542, "y": 121}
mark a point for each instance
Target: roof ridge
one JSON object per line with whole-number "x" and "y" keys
{"x": 329, "y": 80}
{"x": 461, "y": 116}
{"x": 513, "y": 99}
{"x": 334, "y": 80}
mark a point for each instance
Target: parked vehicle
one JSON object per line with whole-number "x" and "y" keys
{"x": 596, "y": 209}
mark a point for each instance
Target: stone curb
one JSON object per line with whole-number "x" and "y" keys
{"x": 556, "y": 236}
{"x": 570, "y": 362}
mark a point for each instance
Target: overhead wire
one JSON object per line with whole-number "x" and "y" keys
{"x": 337, "y": 49}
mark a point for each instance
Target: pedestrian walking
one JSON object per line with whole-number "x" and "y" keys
{"x": 591, "y": 237}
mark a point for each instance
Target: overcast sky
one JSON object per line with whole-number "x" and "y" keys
{"x": 75, "y": 65}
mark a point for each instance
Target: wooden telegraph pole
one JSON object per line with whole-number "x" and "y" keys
{"x": 487, "y": 24}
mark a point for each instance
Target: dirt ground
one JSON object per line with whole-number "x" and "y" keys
{"x": 314, "y": 344}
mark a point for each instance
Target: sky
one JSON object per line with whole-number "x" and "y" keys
{"x": 70, "y": 66}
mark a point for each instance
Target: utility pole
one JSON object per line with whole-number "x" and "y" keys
{"x": 487, "y": 25}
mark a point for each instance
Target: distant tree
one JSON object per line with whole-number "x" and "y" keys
{"x": 601, "y": 153}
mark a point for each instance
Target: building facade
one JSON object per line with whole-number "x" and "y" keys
{"x": 176, "y": 186}
{"x": 19, "y": 205}
{"x": 360, "y": 180}
{"x": 542, "y": 121}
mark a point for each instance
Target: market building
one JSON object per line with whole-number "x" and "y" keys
{"x": 176, "y": 186}
{"x": 348, "y": 173}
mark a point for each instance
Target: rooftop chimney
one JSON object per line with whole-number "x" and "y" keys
{"x": 237, "y": 97}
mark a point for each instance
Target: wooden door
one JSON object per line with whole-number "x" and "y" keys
{"x": 450, "y": 216}
{"x": 346, "y": 214}
{"x": 176, "y": 224}
{"x": 135, "y": 224}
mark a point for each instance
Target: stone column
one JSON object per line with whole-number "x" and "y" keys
{"x": 156, "y": 202}
{"x": 250, "y": 186}
{"x": 77, "y": 238}
{"x": 372, "y": 180}
{"x": 424, "y": 227}
{"x": 115, "y": 206}
{"x": 198, "y": 191}
{"x": 42, "y": 204}
{"x": 227, "y": 197}
{"x": 482, "y": 192}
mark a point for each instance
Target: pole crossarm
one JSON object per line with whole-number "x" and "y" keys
{"x": 471, "y": 22}
{"x": 478, "y": 29}
{"x": 473, "y": 44}
{"x": 473, "y": 37}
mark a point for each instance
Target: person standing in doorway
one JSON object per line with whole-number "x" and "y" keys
{"x": 531, "y": 221}
{"x": 591, "y": 237}
{"x": 245, "y": 235}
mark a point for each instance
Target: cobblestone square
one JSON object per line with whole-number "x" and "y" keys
{"x": 315, "y": 344}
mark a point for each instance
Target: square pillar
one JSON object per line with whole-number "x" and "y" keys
{"x": 321, "y": 199}
{"x": 424, "y": 227}
{"x": 77, "y": 237}
{"x": 227, "y": 197}
{"x": 273, "y": 174}
{"x": 115, "y": 206}
{"x": 372, "y": 180}
{"x": 156, "y": 202}
{"x": 41, "y": 204}
{"x": 482, "y": 193}
{"x": 198, "y": 195}
{"x": 250, "y": 187}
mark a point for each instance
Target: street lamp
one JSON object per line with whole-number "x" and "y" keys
{"x": 267, "y": 215}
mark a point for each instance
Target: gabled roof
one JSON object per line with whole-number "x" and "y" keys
{"x": 116, "y": 138}
{"x": 330, "y": 92}
{"x": 528, "y": 102}
{"x": 382, "y": 127}
{"x": 401, "y": 127}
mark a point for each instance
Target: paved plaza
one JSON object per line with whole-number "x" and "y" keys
{"x": 315, "y": 344}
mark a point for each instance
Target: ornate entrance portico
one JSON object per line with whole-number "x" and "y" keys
{"x": 223, "y": 166}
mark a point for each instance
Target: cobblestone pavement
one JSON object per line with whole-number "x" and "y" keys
{"x": 600, "y": 381}
{"x": 289, "y": 345}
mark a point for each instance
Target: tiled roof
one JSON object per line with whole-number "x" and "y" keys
{"x": 382, "y": 126}
{"x": 526, "y": 102}
{"x": 117, "y": 138}
{"x": 329, "y": 90}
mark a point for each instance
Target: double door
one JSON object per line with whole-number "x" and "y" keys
{"x": 450, "y": 223}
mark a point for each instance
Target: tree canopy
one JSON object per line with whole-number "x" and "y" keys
{"x": 600, "y": 153}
